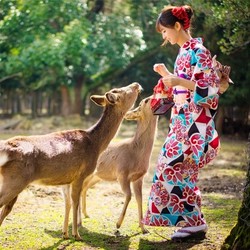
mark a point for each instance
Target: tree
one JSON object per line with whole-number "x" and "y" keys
{"x": 239, "y": 237}
{"x": 59, "y": 46}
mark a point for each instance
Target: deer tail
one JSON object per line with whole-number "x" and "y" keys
{"x": 4, "y": 158}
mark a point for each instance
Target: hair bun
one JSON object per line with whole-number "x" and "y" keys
{"x": 189, "y": 11}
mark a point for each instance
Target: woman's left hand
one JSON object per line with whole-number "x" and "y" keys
{"x": 171, "y": 80}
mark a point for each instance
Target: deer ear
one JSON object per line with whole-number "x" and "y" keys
{"x": 111, "y": 98}
{"x": 98, "y": 100}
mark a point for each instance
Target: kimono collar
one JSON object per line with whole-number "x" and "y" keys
{"x": 192, "y": 43}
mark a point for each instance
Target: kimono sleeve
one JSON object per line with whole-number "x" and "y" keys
{"x": 206, "y": 80}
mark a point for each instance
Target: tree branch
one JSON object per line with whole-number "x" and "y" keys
{"x": 10, "y": 76}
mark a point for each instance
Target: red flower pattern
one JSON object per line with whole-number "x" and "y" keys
{"x": 176, "y": 204}
{"x": 172, "y": 148}
{"x": 210, "y": 155}
{"x": 204, "y": 59}
{"x": 188, "y": 117}
{"x": 190, "y": 169}
{"x": 195, "y": 220}
{"x": 172, "y": 175}
{"x": 209, "y": 132}
{"x": 198, "y": 200}
{"x": 202, "y": 161}
{"x": 164, "y": 197}
{"x": 189, "y": 195}
{"x": 159, "y": 222}
{"x": 197, "y": 143}
{"x": 156, "y": 188}
{"x": 193, "y": 108}
{"x": 160, "y": 194}
{"x": 191, "y": 44}
{"x": 180, "y": 64}
{"x": 213, "y": 102}
{"x": 177, "y": 125}
{"x": 202, "y": 84}
{"x": 183, "y": 62}
{"x": 193, "y": 178}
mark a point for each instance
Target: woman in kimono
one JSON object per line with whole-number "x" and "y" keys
{"x": 192, "y": 141}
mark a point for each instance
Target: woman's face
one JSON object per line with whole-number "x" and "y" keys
{"x": 169, "y": 34}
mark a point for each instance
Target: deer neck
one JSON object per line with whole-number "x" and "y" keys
{"x": 106, "y": 127}
{"x": 145, "y": 131}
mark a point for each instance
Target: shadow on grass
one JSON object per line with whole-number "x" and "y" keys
{"x": 94, "y": 240}
{"x": 91, "y": 239}
{"x": 145, "y": 244}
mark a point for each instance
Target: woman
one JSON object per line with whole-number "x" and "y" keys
{"x": 192, "y": 141}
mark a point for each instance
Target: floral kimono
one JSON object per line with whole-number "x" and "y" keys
{"x": 192, "y": 142}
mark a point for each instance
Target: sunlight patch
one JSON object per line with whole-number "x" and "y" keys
{"x": 3, "y": 158}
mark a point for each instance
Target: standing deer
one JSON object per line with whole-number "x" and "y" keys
{"x": 126, "y": 161}
{"x": 65, "y": 157}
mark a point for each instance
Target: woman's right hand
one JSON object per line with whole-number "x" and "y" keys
{"x": 161, "y": 69}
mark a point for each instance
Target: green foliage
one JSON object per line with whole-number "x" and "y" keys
{"x": 54, "y": 41}
{"x": 233, "y": 16}
{"x": 114, "y": 41}
{"x": 44, "y": 44}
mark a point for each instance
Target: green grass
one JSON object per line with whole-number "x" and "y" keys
{"x": 37, "y": 218}
{"x": 39, "y": 226}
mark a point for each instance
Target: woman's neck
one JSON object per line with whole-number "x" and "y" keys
{"x": 184, "y": 37}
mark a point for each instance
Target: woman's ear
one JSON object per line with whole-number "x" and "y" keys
{"x": 177, "y": 26}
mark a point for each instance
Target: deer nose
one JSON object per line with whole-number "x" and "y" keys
{"x": 137, "y": 86}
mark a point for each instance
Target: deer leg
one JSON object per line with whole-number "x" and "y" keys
{"x": 88, "y": 183}
{"x": 79, "y": 214}
{"x": 125, "y": 185}
{"x": 7, "y": 209}
{"x": 75, "y": 196}
{"x": 9, "y": 190}
{"x": 67, "y": 202}
{"x": 137, "y": 187}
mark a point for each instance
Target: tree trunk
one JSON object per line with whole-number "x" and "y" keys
{"x": 78, "y": 105}
{"x": 219, "y": 120}
{"x": 239, "y": 238}
{"x": 66, "y": 103}
{"x": 34, "y": 104}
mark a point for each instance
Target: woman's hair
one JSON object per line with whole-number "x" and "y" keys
{"x": 172, "y": 14}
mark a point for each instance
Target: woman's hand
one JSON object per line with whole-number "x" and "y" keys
{"x": 161, "y": 69}
{"x": 172, "y": 80}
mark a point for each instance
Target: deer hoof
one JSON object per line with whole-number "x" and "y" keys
{"x": 65, "y": 236}
{"x": 117, "y": 233}
{"x": 79, "y": 225}
{"x": 144, "y": 231}
{"x": 77, "y": 237}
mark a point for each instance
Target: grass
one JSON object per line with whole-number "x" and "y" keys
{"x": 39, "y": 228}
{"x": 36, "y": 220}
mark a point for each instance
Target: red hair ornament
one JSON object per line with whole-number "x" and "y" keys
{"x": 181, "y": 14}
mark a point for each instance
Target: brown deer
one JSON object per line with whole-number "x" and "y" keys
{"x": 65, "y": 157}
{"x": 126, "y": 161}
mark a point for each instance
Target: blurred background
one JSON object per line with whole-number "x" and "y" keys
{"x": 54, "y": 54}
